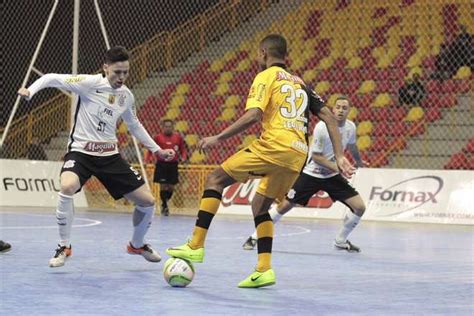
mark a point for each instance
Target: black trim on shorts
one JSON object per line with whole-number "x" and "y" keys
{"x": 117, "y": 176}
{"x": 306, "y": 186}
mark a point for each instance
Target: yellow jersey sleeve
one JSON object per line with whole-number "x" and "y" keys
{"x": 260, "y": 91}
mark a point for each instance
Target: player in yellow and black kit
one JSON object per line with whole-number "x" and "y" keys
{"x": 282, "y": 102}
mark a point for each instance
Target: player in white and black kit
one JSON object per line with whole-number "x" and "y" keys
{"x": 321, "y": 173}
{"x": 92, "y": 149}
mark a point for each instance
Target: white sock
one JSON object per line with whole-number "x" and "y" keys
{"x": 275, "y": 218}
{"x": 142, "y": 218}
{"x": 65, "y": 217}
{"x": 350, "y": 222}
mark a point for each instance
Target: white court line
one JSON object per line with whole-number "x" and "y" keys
{"x": 91, "y": 222}
{"x": 302, "y": 231}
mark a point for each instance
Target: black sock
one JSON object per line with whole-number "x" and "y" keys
{"x": 164, "y": 198}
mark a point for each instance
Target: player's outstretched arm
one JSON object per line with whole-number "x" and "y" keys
{"x": 356, "y": 155}
{"x": 250, "y": 117}
{"x": 76, "y": 84}
{"x": 345, "y": 167}
{"x": 323, "y": 161}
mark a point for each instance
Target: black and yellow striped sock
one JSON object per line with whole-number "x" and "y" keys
{"x": 210, "y": 202}
{"x": 264, "y": 226}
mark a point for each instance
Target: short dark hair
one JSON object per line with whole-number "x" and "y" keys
{"x": 167, "y": 121}
{"x": 116, "y": 54}
{"x": 344, "y": 98}
{"x": 276, "y": 45}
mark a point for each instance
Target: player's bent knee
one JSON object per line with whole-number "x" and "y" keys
{"x": 147, "y": 201}
{"x": 359, "y": 210}
{"x": 69, "y": 188}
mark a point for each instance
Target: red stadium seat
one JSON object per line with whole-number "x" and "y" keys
{"x": 397, "y": 114}
{"x": 463, "y": 85}
{"x": 457, "y": 161}
{"x": 380, "y": 144}
{"x": 432, "y": 101}
{"x": 383, "y": 86}
{"x": 448, "y": 86}
{"x": 469, "y": 147}
{"x": 433, "y": 86}
{"x": 432, "y": 114}
{"x": 398, "y": 129}
{"x": 382, "y": 114}
{"x": 448, "y": 100}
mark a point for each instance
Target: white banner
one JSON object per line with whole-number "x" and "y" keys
{"x": 402, "y": 195}
{"x": 32, "y": 183}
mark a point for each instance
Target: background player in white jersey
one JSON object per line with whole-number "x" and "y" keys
{"x": 321, "y": 173}
{"x": 92, "y": 149}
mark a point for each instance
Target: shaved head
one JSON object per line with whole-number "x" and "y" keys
{"x": 275, "y": 45}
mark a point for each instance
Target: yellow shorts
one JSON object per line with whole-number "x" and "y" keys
{"x": 276, "y": 180}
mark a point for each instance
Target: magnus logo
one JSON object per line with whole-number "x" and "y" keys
{"x": 99, "y": 147}
{"x": 408, "y": 194}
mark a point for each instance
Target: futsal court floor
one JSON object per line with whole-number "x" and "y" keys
{"x": 403, "y": 269}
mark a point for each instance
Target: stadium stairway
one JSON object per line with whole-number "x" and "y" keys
{"x": 442, "y": 138}
{"x": 216, "y": 50}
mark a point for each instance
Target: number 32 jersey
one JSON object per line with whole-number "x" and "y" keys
{"x": 98, "y": 109}
{"x": 285, "y": 101}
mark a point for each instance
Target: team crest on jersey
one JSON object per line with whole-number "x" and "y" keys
{"x": 121, "y": 100}
{"x": 69, "y": 164}
{"x": 111, "y": 98}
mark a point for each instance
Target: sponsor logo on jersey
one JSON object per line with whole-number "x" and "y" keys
{"x": 111, "y": 98}
{"x": 74, "y": 79}
{"x": 100, "y": 147}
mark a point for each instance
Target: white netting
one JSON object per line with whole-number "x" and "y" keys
{"x": 193, "y": 62}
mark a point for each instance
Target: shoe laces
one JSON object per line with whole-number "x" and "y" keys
{"x": 147, "y": 248}
{"x": 59, "y": 250}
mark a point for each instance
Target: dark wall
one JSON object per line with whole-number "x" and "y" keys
{"x": 127, "y": 22}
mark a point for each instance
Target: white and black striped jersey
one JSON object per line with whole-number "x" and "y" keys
{"x": 99, "y": 107}
{"x": 321, "y": 144}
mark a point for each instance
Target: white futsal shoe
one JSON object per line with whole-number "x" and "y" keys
{"x": 146, "y": 252}
{"x": 62, "y": 252}
{"x": 346, "y": 245}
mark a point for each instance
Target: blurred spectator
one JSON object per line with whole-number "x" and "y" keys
{"x": 36, "y": 151}
{"x": 462, "y": 51}
{"x": 459, "y": 53}
{"x": 442, "y": 71}
{"x": 412, "y": 92}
